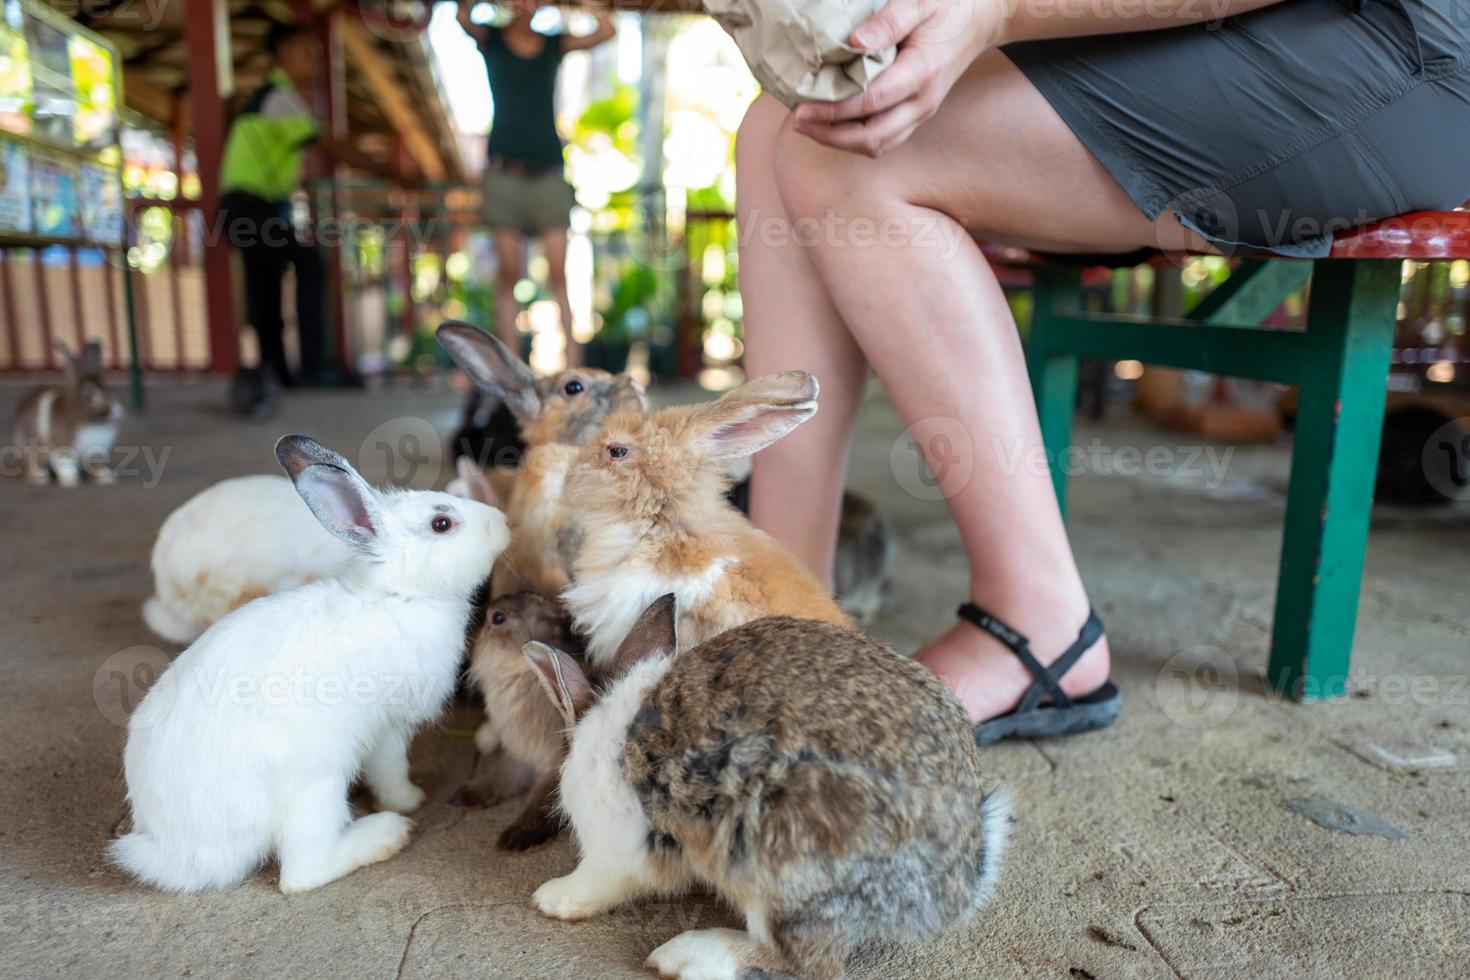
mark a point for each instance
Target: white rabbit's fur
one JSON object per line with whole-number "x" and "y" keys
{"x": 247, "y": 745}
{"x": 611, "y": 826}
{"x": 212, "y": 556}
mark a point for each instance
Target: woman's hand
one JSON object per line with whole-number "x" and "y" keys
{"x": 937, "y": 40}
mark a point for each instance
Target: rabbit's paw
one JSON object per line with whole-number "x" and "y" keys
{"x": 378, "y": 836}
{"x": 572, "y": 897}
{"x": 104, "y": 477}
{"x": 404, "y": 798}
{"x": 525, "y": 833}
{"x": 704, "y": 954}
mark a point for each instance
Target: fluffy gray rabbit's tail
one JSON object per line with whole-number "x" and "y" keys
{"x": 995, "y": 817}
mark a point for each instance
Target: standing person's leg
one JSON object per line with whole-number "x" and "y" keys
{"x": 263, "y": 270}
{"x": 927, "y": 311}
{"x": 554, "y": 247}
{"x": 310, "y": 309}
{"x": 252, "y": 226}
{"x": 510, "y": 268}
{"x": 791, "y": 324}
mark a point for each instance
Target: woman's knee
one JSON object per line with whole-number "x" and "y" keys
{"x": 815, "y": 181}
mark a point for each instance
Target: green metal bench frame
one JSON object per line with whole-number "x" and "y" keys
{"x": 1341, "y": 363}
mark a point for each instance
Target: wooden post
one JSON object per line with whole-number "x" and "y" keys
{"x": 406, "y": 213}
{"x": 7, "y": 299}
{"x": 211, "y": 82}
{"x": 334, "y": 79}
{"x": 43, "y": 308}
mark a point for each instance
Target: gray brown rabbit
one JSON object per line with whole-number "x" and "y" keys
{"x": 523, "y": 736}
{"x": 68, "y": 429}
{"x": 826, "y": 787}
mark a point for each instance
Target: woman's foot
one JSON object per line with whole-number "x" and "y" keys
{"x": 988, "y": 678}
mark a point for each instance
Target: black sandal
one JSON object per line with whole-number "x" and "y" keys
{"x": 1060, "y": 715}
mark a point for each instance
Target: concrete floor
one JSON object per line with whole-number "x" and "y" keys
{"x": 1178, "y": 843}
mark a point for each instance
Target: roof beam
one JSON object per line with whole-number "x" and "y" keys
{"x": 146, "y": 97}
{"x": 382, "y": 82}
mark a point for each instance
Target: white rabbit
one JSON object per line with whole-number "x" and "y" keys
{"x": 236, "y": 541}
{"x": 247, "y": 745}
{"x": 250, "y": 536}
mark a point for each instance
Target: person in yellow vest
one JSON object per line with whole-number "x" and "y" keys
{"x": 260, "y": 171}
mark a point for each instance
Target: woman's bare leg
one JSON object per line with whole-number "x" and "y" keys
{"x": 887, "y": 240}
{"x": 510, "y": 268}
{"x": 791, "y": 324}
{"x": 554, "y": 246}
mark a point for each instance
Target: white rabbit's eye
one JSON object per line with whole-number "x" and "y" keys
{"x": 615, "y": 451}
{"x": 441, "y": 524}
{"x": 574, "y": 387}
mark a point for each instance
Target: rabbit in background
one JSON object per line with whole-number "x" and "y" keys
{"x": 246, "y": 746}
{"x": 652, "y": 517}
{"x": 824, "y": 786}
{"x": 68, "y": 429}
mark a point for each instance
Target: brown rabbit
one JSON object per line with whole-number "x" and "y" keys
{"x": 525, "y": 730}
{"x": 649, "y": 498}
{"x": 556, "y": 412}
{"x": 69, "y": 428}
{"x": 826, "y": 787}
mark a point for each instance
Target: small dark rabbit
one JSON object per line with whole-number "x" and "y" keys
{"x": 68, "y": 429}
{"x": 826, "y": 787}
{"x": 523, "y": 735}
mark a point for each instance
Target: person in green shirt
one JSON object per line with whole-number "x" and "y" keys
{"x": 260, "y": 171}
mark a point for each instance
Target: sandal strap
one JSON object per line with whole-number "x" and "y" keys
{"x": 1047, "y": 681}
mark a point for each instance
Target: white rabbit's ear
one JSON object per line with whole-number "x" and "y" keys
{"x": 654, "y": 634}
{"x": 340, "y": 499}
{"x": 756, "y": 414}
{"x": 491, "y": 366}
{"x": 562, "y": 680}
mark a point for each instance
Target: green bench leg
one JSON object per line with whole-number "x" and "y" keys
{"x": 1054, "y": 371}
{"x": 1350, "y": 328}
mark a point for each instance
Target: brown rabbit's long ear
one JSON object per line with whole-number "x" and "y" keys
{"x": 756, "y": 414}
{"x": 491, "y": 366}
{"x": 340, "y": 499}
{"x": 562, "y": 680}
{"x": 654, "y": 634}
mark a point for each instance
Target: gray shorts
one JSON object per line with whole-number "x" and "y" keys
{"x": 1278, "y": 128}
{"x": 531, "y": 203}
